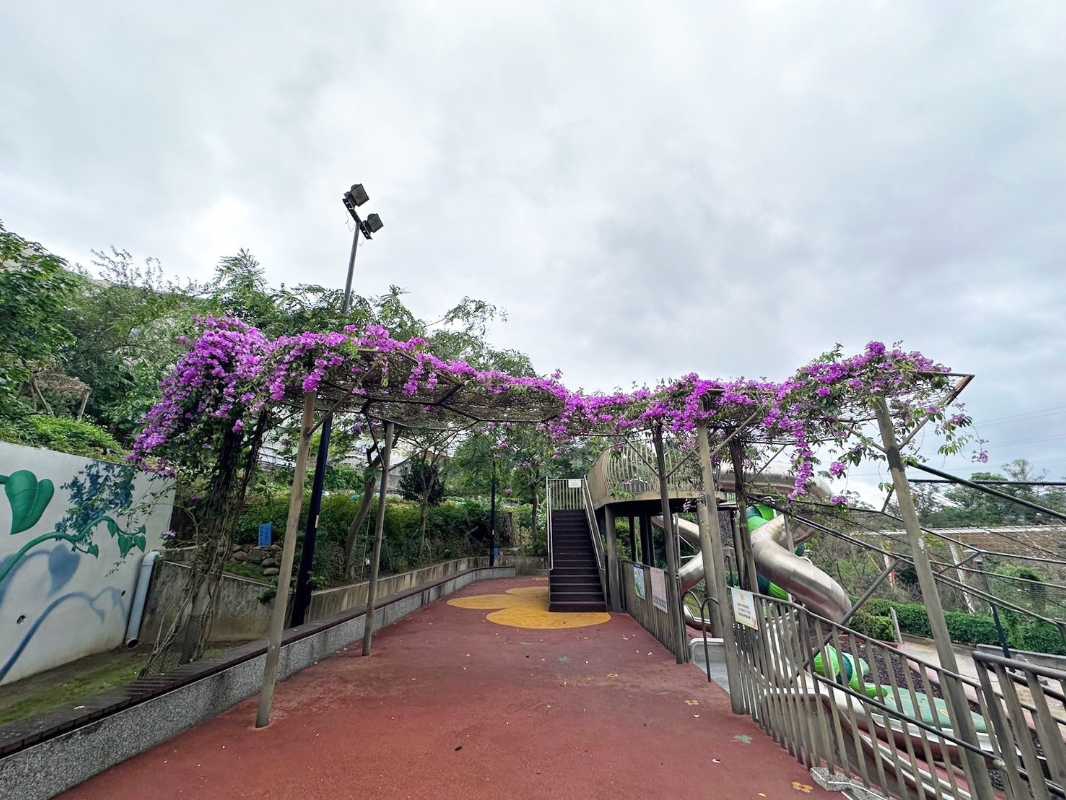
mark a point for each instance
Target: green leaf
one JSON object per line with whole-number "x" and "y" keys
{"x": 28, "y": 498}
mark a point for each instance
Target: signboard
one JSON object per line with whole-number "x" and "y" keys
{"x": 266, "y": 533}
{"x": 744, "y": 608}
{"x": 658, "y": 588}
{"x": 638, "y": 581}
{"x": 573, "y": 483}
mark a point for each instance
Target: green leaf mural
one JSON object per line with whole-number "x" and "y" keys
{"x": 95, "y": 493}
{"x": 28, "y": 498}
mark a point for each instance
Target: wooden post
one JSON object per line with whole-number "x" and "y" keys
{"x": 714, "y": 566}
{"x": 613, "y": 572}
{"x": 736, "y": 455}
{"x": 288, "y": 552}
{"x": 673, "y": 594}
{"x": 647, "y": 543}
{"x": 379, "y": 532}
{"x": 954, "y": 694}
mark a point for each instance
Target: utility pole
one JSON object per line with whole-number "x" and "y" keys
{"x": 354, "y": 197}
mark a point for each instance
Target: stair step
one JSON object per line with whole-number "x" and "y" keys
{"x": 579, "y": 607}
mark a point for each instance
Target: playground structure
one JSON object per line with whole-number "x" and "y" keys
{"x": 830, "y": 695}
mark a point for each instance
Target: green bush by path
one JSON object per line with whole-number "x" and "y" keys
{"x": 874, "y": 625}
{"x": 454, "y": 529}
{"x": 1039, "y": 637}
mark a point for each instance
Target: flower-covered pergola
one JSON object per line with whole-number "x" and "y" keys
{"x": 234, "y": 384}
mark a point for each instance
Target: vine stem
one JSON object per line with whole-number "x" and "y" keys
{"x": 10, "y": 565}
{"x": 44, "y": 537}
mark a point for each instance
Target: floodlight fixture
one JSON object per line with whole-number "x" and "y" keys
{"x": 358, "y": 193}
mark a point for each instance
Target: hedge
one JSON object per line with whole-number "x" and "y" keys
{"x": 454, "y": 529}
{"x": 1039, "y": 637}
{"x": 874, "y": 625}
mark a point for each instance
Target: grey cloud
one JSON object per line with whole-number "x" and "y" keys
{"x": 648, "y": 190}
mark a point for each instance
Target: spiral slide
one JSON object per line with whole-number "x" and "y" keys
{"x": 784, "y": 571}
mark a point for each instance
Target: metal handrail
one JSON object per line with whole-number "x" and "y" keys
{"x": 548, "y": 529}
{"x": 1023, "y": 666}
{"x": 594, "y": 532}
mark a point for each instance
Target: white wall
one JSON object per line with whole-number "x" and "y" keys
{"x": 64, "y": 599}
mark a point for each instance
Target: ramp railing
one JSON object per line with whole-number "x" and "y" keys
{"x": 1027, "y": 705}
{"x": 837, "y": 699}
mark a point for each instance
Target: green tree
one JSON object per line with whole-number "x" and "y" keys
{"x": 422, "y": 479}
{"x": 961, "y": 506}
{"x": 35, "y": 289}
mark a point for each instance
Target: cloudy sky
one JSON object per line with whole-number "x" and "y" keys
{"x": 648, "y": 189}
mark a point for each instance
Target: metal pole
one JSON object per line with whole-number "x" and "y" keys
{"x": 610, "y": 530}
{"x": 736, "y": 455}
{"x": 673, "y": 595}
{"x": 302, "y": 600}
{"x": 492, "y": 516}
{"x": 714, "y": 565}
{"x": 955, "y": 695}
{"x": 1000, "y": 633}
{"x": 288, "y": 552}
{"x": 379, "y": 532}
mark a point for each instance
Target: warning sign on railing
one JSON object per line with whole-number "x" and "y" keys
{"x": 744, "y": 608}
{"x": 658, "y": 588}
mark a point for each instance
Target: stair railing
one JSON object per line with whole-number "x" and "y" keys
{"x": 594, "y": 532}
{"x": 548, "y": 509}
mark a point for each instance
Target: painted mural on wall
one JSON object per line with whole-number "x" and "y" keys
{"x": 73, "y": 532}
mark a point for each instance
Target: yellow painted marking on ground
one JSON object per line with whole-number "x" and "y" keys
{"x": 527, "y": 607}
{"x": 483, "y": 601}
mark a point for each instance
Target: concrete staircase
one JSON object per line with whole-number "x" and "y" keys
{"x": 574, "y": 581}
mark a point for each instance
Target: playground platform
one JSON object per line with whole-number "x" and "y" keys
{"x": 453, "y": 704}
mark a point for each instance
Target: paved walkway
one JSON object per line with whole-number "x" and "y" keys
{"x": 452, "y": 705}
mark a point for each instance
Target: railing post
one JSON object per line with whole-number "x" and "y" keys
{"x": 736, "y": 455}
{"x": 714, "y": 567}
{"x": 955, "y": 695}
{"x": 673, "y": 598}
{"x": 611, "y": 535}
{"x": 379, "y": 533}
{"x": 548, "y": 525}
{"x": 288, "y": 554}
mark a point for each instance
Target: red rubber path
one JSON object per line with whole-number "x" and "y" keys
{"x": 453, "y": 706}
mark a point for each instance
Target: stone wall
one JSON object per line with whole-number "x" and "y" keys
{"x": 328, "y": 602}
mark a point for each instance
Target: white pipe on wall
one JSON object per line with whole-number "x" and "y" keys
{"x": 140, "y": 596}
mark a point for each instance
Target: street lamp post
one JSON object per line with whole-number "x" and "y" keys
{"x": 352, "y": 199}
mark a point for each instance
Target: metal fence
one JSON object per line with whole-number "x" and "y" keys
{"x": 1027, "y": 704}
{"x": 835, "y": 698}
{"x": 655, "y": 621}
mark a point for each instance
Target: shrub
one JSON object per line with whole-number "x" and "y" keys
{"x": 971, "y": 628}
{"x": 1023, "y": 634}
{"x": 66, "y": 435}
{"x": 874, "y": 625}
{"x": 453, "y": 530}
{"x": 1040, "y": 637}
